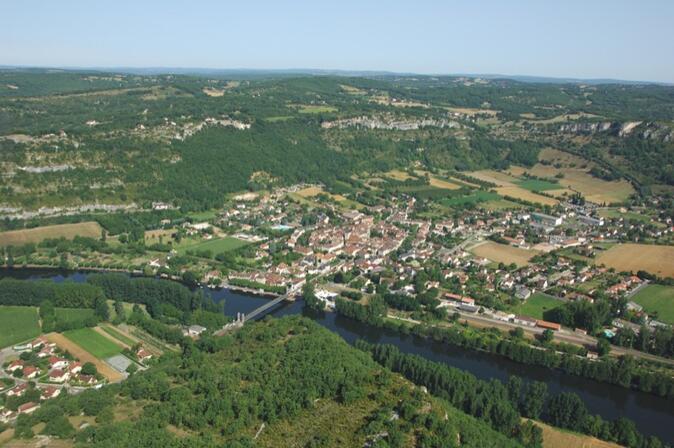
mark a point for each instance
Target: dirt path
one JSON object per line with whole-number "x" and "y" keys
{"x": 78, "y": 352}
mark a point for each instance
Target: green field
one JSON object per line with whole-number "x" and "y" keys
{"x": 216, "y": 245}
{"x": 536, "y": 305}
{"x": 657, "y": 299}
{"x": 117, "y": 335}
{"x": 538, "y": 185}
{"x": 93, "y": 342}
{"x": 18, "y": 324}
{"x": 72, "y": 314}
{"x": 203, "y": 216}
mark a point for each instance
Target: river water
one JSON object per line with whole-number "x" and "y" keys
{"x": 652, "y": 415}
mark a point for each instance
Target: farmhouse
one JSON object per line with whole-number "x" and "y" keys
{"x": 143, "y": 355}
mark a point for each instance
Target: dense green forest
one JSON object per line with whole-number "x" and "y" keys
{"x": 68, "y": 138}
{"x": 287, "y": 380}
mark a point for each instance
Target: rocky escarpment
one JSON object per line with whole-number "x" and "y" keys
{"x": 646, "y": 130}
{"x": 390, "y": 123}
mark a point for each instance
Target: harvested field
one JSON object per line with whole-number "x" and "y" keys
{"x": 439, "y": 183}
{"x": 213, "y": 92}
{"x": 501, "y": 253}
{"x": 310, "y": 192}
{"x": 66, "y": 344}
{"x": 657, "y": 260}
{"x": 69, "y": 231}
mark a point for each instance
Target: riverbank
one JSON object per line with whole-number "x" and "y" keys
{"x": 652, "y": 415}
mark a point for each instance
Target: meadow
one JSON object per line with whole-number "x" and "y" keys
{"x": 538, "y": 185}
{"x": 93, "y": 342}
{"x": 657, "y": 299}
{"x": 18, "y": 324}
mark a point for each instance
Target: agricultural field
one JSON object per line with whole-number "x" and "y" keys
{"x": 94, "y": 343}
{"x": 117, "y": 335}
{"x": 658, "y": 260}
{"x": 69, "y": 231}
{"x": 536, "y": 305}
{"x": 314, "y": 108}
{"x": 398, "y": 175}
{"x": 576, "y": 177}
{"x": 72, "y": 314}
{"x": 561, "y": 438}
{"x": 538, "y": 185}
{"x": 502, "y": 253}
{"x": 657, "y": 299}
{"x": 83, "y": 355}
{"x": 18, "y": 324}
{"x": 508, "y": 185}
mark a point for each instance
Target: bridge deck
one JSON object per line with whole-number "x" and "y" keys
{"x": 257, "y": 311}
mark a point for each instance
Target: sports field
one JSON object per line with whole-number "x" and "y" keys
{"x": 657, "y": 298}
{"x": 83, "y": 355}
{"x": 18, "y": 324}
{"x": 94, "y": 343}
{"x": 657, "y": 260}
{"x": 502, "y": 253}
{"x": 536, "y": 305}
{"x": 69, "y": 231}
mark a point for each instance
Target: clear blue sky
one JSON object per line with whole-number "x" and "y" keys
{"x": 590, "y": 38}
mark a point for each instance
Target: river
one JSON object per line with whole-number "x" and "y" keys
{"x": 652, "y": 415}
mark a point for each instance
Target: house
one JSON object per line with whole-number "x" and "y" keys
{"x": 15, "y": 365}
{"x": 30, "y": 372}
{"x": 18, "y": 390}
{"x": 42, "y": 342}
{"x": 50, "y": 392}
{"x": 58, "y": 376}
{"x": 195, "y": 330}
{"x": 46, "y": 351}
{"x": 28, "y": 408}
{"x": 75, "y": 368}
{"x": 143, "y": 355}
{"x": 58, "y": 363}
{"x": 522, "y": 292}
{"x": 86, "y": 379}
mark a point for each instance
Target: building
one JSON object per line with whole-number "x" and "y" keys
{"x": 28, "y": 408}
{"x": 143, "y": 355}
{"x": 15, "y": 365}
{"x": 525, "y": 320}
{"x": 195, "y": 330}
{"x": 18, "y": 390}
{"x": 30, "y": 372}
{"x": 548, "y": 325}
{"x": 58, "y": 376}
{"x": 58, "y": 363}
{"x": 50, "y": 392}
{"x": 546, "y": 220}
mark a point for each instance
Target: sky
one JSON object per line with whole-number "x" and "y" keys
{"x": 619, "y": 39}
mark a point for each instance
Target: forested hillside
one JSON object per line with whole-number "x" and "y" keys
{"x": 70, "y": 138}
{"x": 281, "y": 382}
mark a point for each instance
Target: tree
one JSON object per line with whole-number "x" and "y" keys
{"x": 89, "y": 368}
{"x": 566, "y": 410}
{"x": 533, "y": 399}
{"x": 547, "y": 336}
{"x": 310, "y": 299}
{"x": 603, "y": 346}
{"x": 101, "y": 308}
